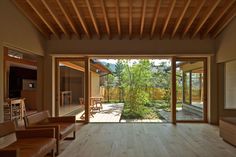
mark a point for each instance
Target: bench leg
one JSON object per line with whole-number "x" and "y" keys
{"x": 57, "y": 147}
{"x": 53, "y": 153}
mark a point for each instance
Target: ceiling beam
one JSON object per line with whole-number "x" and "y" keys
{"x": 55, "y": 18}
{"x": 180, "y": 17}
{"x": 168, "y": 18}
{"x": 225, "y": 22}
{"x": 106, "y": 18}
{"x": 69, "y": 20}
{"x": 118, "y": 18}
{"x": 130, "y": 19}
{"x": 143, "y": 18}
{"x": 154, "y": 23}
{"x": 205, "y": 17}
{"x": 222, "y": 12}
{"x": 42, "y": 18}
{"x": 93, "y": 19}
{"x": 80, "y": 18}
{"x": 192, "y": 18}
{"x": 32, "y": 20}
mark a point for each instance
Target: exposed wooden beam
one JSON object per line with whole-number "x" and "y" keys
{"x": 130, "y": 19}
{"x": 118, "y": 18}
{"x": 168, "y": 18}
{"x": 106, "y": 19}
{"x": 42, "y": 18}
{"x": 205, "y": 17}
{"x": 143, "y": 18}
{"x": 80, "y": 18}
{"x": 192, "y": 18}
{"x": 93, "y": 18}
{"x": 32, "y": 20}
{"x": 154, "y": 23}
{"x": 55, "y": 18}
{"x": 225, "y": 22}
{"x": 69, "y": 20}
{"x": 180, "y": 17}
{"x": 224, "y": 9}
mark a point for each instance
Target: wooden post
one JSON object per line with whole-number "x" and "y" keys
{"x": 173, "y": 90}
{"x": 87, "y": 88}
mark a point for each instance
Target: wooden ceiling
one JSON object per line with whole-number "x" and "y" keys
{"x": 129, "y": 19}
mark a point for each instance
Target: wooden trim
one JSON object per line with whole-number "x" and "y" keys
{"x": 143, "y": 18}
{"x": 192, "y": 18}
{"x": 180, "y": 18}
{"x": 205, "y": 17}
{"x": 130, "y": 18}
{"x": 57, "y": 88}
{"x": 55, "y": 18}
{"x": 106, "y": 18}
{"x": 80, "y": 18}
{"x": 154, "y": 23}
{"x": 87, "y": 89}
{"x": 69, "y": 20}
{"x": 173, "y": 90}
{"x": 118, "y": 18}
{"x": 31, "y": 20}
{"x": 168, "y": 18}
{"x": 93, "y": 18}
{"x": 218, "y": 17}
{"x": 42, "y": 18}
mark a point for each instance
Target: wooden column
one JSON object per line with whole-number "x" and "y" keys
{"x": 190, "y": 88}
{"x": 87, "y": 88}
{"x": 173, "y": 90}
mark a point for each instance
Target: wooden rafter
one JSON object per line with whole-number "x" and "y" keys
{"x": 154, "y": 23}
{"x": 106, "y": 18}
{"x": 219, "y": 16}
{"x": 192, "y": 18}
{"x": 180, "y": 18}
{"x": 130, "y": 19}
{"x": 205, "y": 17}
{"x": 225, "y": 22}
{"x": 80, "y": 18}
{"x": 32, "y": 20}
{"x": 118, "y": 18}
{"x": 93, "y": 18}
{"x": 168, "y": 18}
{"x": 143, "y": 18}
{"x": 42, "y": 18}
{"x": 55, "y": 17}
{"x": 68, "y": 18}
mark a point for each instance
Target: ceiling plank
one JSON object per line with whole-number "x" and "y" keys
{"x": 106, "y": 19}
{"x": 55, "y": 18}
{"x": 143, "y": 18}
{"x": 118, "y": 18}
{"x": 80, "y": 19}
{"x": 180, "y": 18}
{"x": 168, "y": 18}
{"x": 154, "y": 23}
{"x": 222, "y": 12}
{"x": 205, "y": 17}
{"x": 93, "y": 18}
{"x": 32, "y": 20}
{"x": 192, "y": 18}
{"x": 42, "y": 18}
{"x": 225, "y": 22}
{"x": 69, "y": 20}
{"x": 130, "y": 19}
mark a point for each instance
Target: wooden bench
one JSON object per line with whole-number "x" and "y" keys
{"x": 228, "y": 129}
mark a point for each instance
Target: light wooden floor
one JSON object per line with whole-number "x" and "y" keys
{"x": 148, "y": 140}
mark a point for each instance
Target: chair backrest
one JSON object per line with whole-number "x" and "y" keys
{"x": 36, "y": 118}
{"x": 7, "y": 134}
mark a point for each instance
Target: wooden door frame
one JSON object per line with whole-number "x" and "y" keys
{"x": 86, "y": 60}
{"x": 205, "y": 91}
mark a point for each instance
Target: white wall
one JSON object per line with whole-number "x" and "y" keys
{"x": 131, "y": 47}
{"x": 18, "y": 33}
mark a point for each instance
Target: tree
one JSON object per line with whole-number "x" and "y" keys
{"x": 109, "y": 83}
{"x": 119, "y": 67}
